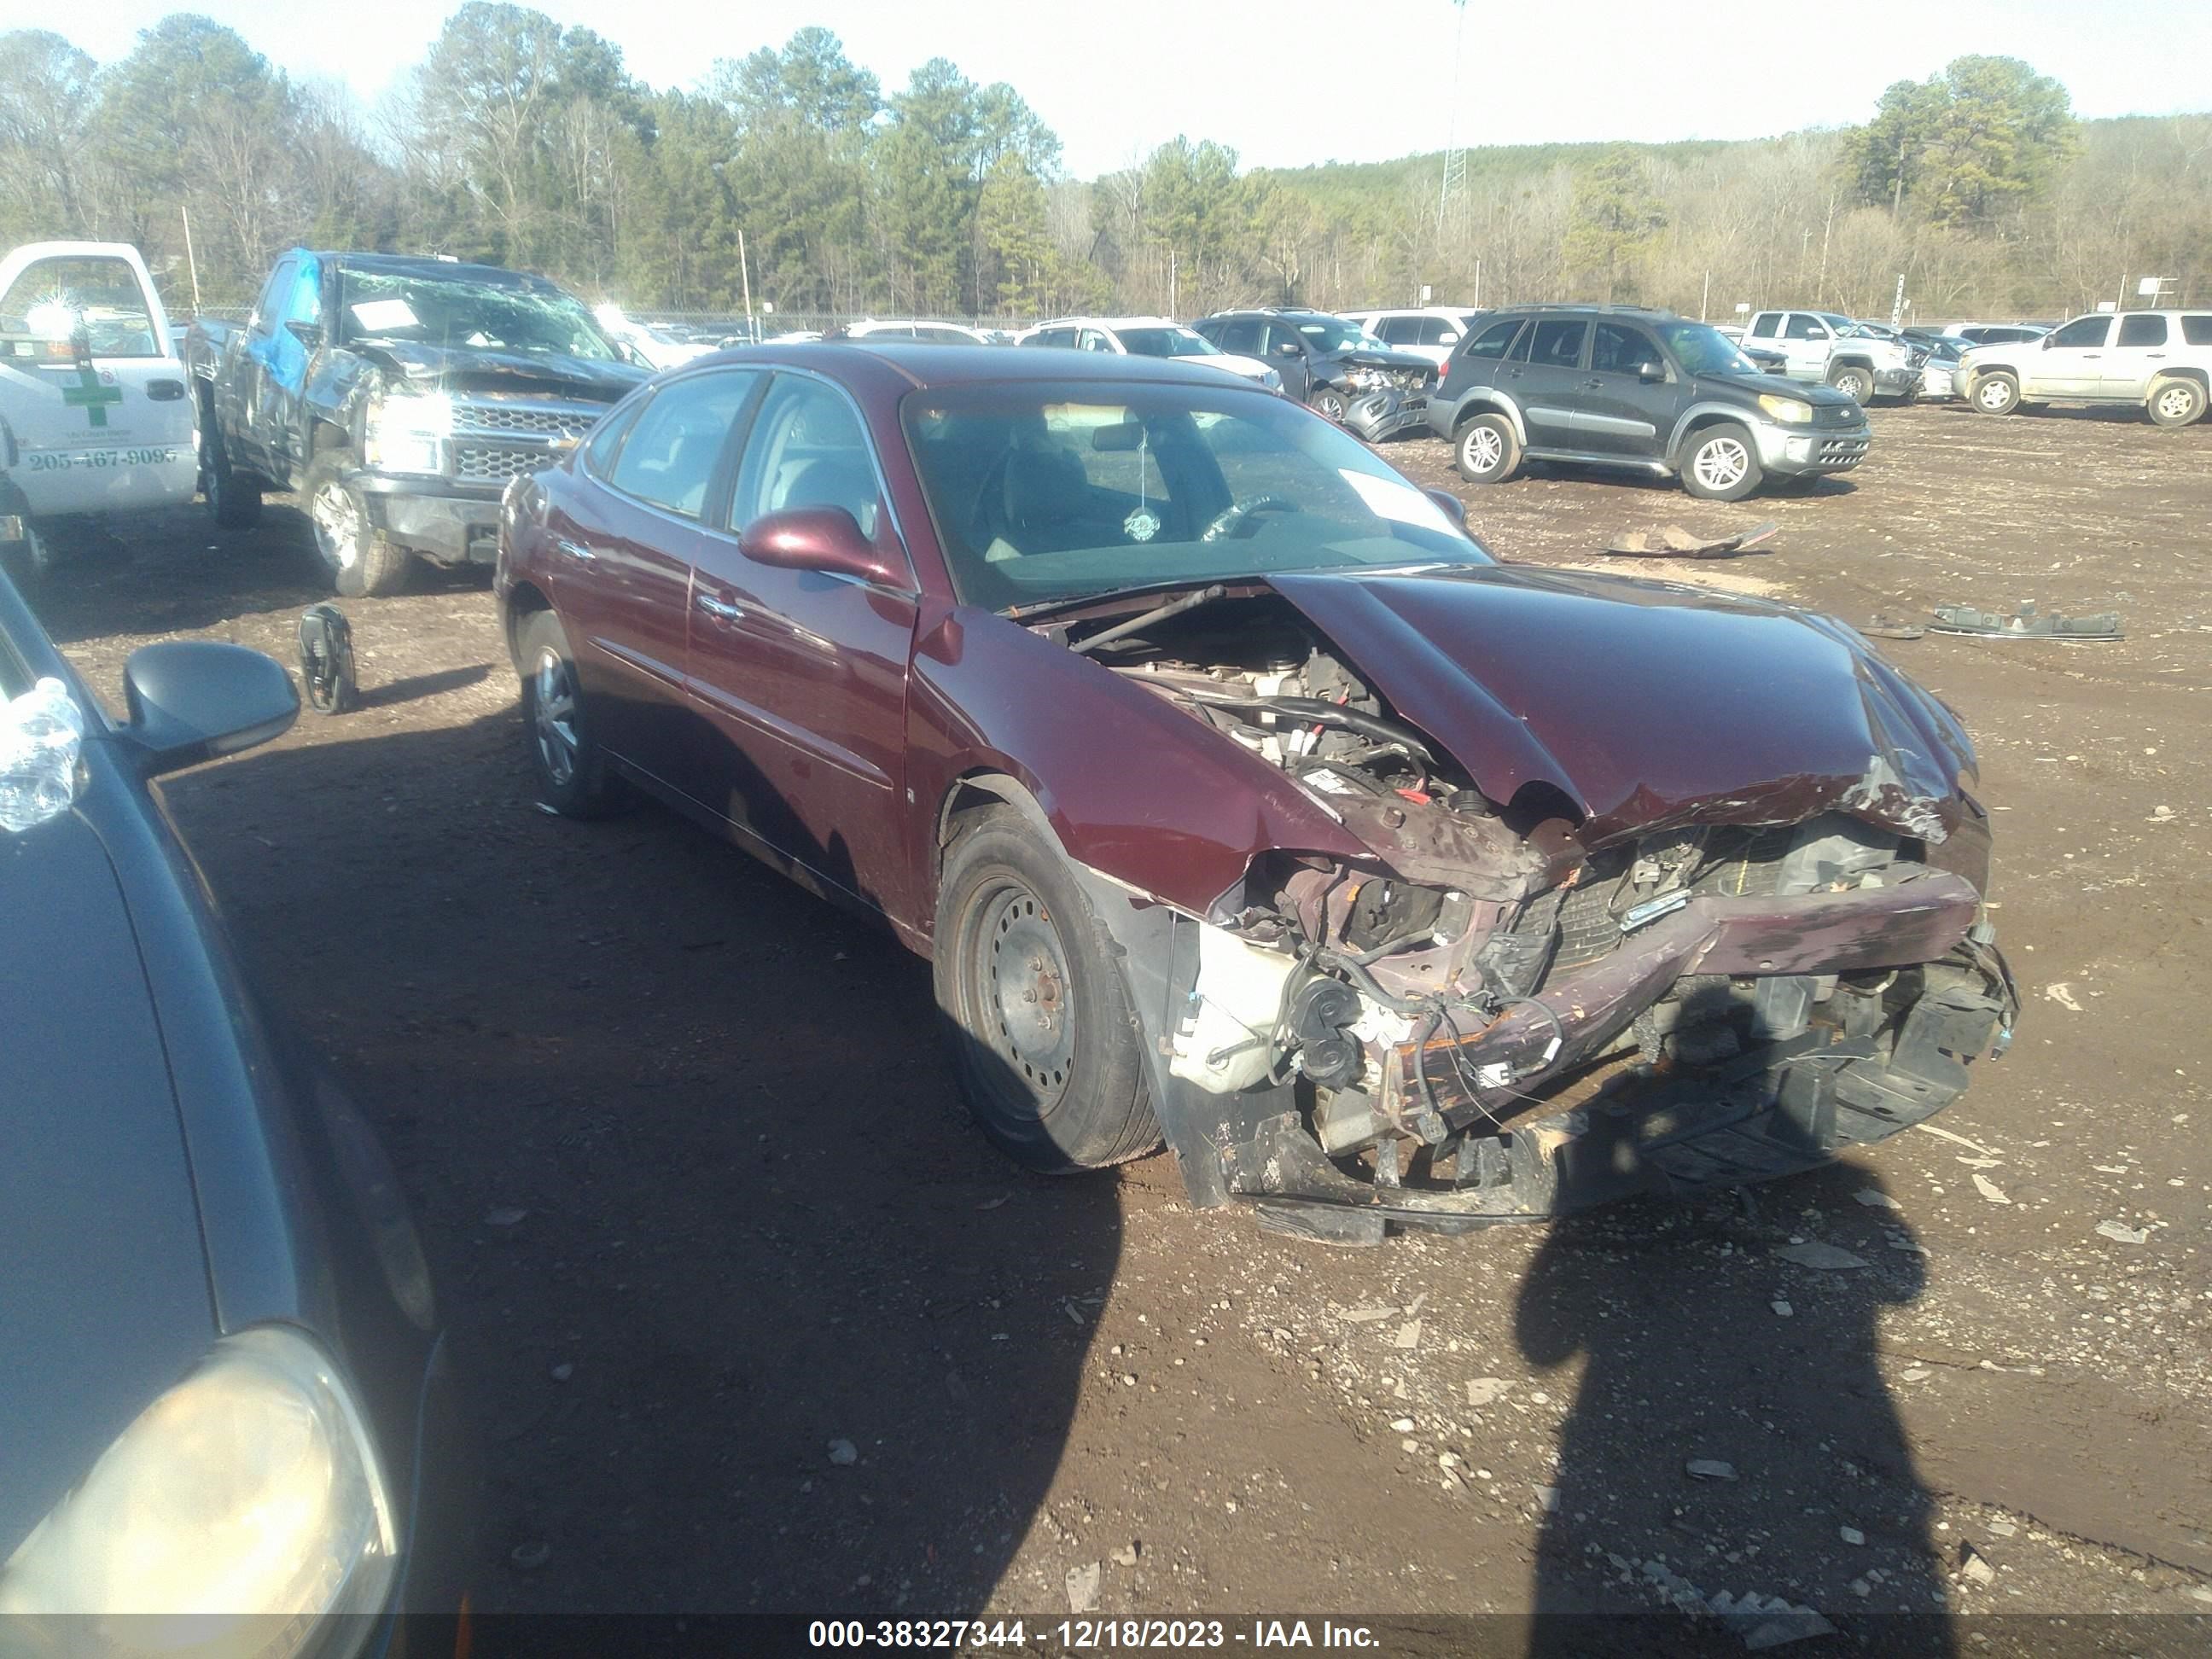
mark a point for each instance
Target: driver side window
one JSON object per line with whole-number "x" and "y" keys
{"x": 807, "y": 449}
{"x": 1802, "y": 327}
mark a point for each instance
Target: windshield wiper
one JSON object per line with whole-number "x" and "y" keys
{"x": 1022, "y": 613}
{"x": 1174, "y": 607}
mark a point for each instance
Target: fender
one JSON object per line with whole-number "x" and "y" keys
{"x": 1700, "y": 411}
{"x": 1490, "y": 401}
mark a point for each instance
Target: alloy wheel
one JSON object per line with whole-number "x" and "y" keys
{"x": 1721, "y": 462}
{"x": 553, "y": 714}
{"x": 2175, "y": 402}
{"x": 338, "y": 520}
{"x": 1483, "y": 449}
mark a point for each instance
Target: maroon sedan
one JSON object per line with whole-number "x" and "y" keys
{"x": 1241, "y": 801}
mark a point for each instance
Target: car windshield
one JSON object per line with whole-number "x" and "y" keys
{"x": 1042, "y": 491}
{"x": 92, "y": 302}
{"x": 1334, "y": 334}
{"x": 1702, "y": 349}
{"x": 450, "y": 310}
{"x": 1166, "y": 342}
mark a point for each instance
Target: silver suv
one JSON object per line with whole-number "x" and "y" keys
{"x": 1860, "y": 360}
{"x": 2161, "y": 360}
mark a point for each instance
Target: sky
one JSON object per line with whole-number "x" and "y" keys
{"x": 1290, "y": 82}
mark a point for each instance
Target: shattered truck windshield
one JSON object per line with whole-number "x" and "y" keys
{"x": 456, "y": 311}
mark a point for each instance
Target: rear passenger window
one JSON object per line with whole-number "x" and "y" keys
{"x": 669, "y": 456}
{"x": 1494, "y": 341}
{"x": 1399, "y": 330}
{"x": 1432, "y": 330}
{"x": 1559, "y": 344}
{"x": 2197, "y": 330}
{"x": 1764, "y": 326}
{"x": 2143, "y": 330}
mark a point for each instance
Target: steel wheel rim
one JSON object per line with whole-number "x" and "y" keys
{"x": 1025, "y": 1000}
{"x": 1853, "y": 386}
{"x": 1484, "y": 450}
{"x": 1993, "y": 394}
{"x": 1722, "y": 463}
{"x": 2175, "y": 402}
{"x": 336, "y": 519}
{"x": 553, "y": 716}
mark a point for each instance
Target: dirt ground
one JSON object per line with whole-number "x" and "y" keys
{"x": 703, "y": 1202}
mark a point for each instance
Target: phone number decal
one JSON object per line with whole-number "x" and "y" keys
{"x": 96, "y": 460}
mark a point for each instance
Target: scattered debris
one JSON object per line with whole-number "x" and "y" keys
{"x": 1852, "y": 1536}
{"x": 1783, "y": 1309}
{"x": 2062, "y": 995}
{"x": 504, "y": 1218}
{"x": 1408, "y": 1336}
{"x": 1548, "y": 1499}
{"x": 1671, "y": 541}
{"x": 843, "y": 1453}
{"x": 993, "y": 1203}
{"x": 1990, "y": 1189}
{"x": 1710, "y": 1468}
{"x": 2121, "y": 1233}
{"x": 1973, "y": 1566}
{"x": 2160, "y": 815}
{"x": 1486, "y": 1390}
{"x": 1827, "y": 1258}
{"x": 2002, "y": 1527}
{"x": 1766, "y": 1621}
{"x": 1127, "y": 1555}
{"x": 1082, "y": 1588}
{"x": 1366, "y": 1315}
{"x": 562, "y": 1372}
{"x": 1889, "y": 628}
{"x": 1874, "y": 1199}
{"x": 1956, "y": 1138}
{"x": 531, "y": 1556}
{"x": 1918, "y": 1373}
{"x": 2026, "y": 623}
{"x": 1860, "y": 1587}
{"x": 1401, "y": 1425}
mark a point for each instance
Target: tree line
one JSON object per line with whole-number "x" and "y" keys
{"x": 792, "y": 177}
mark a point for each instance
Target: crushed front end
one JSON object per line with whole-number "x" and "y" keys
{"x": 1508, "y": 1013}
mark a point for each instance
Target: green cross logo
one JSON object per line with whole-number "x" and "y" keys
{"x": 88, "y": 395}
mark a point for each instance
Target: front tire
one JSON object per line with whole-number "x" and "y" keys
{"x": 1854, "y": 382}
{"x": 565, "y": 757}
{"x": 362, "y": 562}
{"x": 1722, "y": 464}
{"x": 1486, "y": 450}
{"x": 1044, "y": 1039}
{"x": 1996, "y": 393}
{"x": 1329, "y": 403}
{"x": 2176, "y": 403}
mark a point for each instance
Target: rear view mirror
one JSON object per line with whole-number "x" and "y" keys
{"x": 1122, "y": 435}
{"x": 824, "y": 538}
{"x": 190, "y": 700}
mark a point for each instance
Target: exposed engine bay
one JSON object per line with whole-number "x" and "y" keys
{"x": 1494, "y": 1019}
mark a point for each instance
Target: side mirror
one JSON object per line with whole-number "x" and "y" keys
{"x": 190, "y": 700}
{"x": 1290, "y": 349}
{"x": 824, "y": 538}
{"x": 2045, "y": 343}
{"x": 309, "y": 335}
{"x": 1651, "y": 371}
{"x": 1454, "y": 509}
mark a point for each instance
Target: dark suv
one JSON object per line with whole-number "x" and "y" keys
{"x": 1333, "y": 366}
{"x": 1615, "y": 385}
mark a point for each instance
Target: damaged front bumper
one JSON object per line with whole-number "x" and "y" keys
{"x": 1375, "y": 416}
{"x": 1850, "y": 1015}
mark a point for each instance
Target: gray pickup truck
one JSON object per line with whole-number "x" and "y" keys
{"x": 397, "y": 395}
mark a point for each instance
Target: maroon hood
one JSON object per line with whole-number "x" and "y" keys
{"x": 1649, "y": 705}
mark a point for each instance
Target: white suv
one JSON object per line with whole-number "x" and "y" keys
{"x": 1147, "y": 337}
{"x": 1428, "y": 332}
{"x": 2161, "y": 360}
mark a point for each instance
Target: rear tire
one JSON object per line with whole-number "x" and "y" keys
{"x": 1995, "y": 393}
{"x": 362, "y": 562}
{"x": 1721, "y": 464}
{"x": 570, "y": 766}
{"x": 2176, "y": 403}
{"x": 1044, "y": 1039}
{"x": 233, "y": 499}
{"x": 1486, "y": 451}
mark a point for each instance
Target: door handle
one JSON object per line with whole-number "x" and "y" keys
{"x": 576, "y": 549}
{"x": 720, "y": 609}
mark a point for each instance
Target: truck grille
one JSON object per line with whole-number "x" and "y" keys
{"x": 475, "y": 464}
{"x": 496, "y": 439}
{"x": 563, "y": 420}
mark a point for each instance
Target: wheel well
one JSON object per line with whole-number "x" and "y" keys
{"x": 522, "y": 600}
{"x": 1705, "y": 422}
{"x": 979, "y": 792}
{"x": 2197, "y": 376}
{"x": 1835, "y": 364}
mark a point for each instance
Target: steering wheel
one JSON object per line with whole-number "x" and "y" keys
{"x": 1226, "y": 522}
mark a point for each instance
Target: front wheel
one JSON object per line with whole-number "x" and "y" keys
{"x": 1328, "y": 401}
{"x": 1486, "y": 450}
{"x": 1043, "y": 1038}
{"x": 1997, "y": 394}
{"x": 362, "y": 562}
{"x": 1854, "y": 382}
{"x": 1722, "y": 464}
{"x": 2176, "y": 403}
{"x": 233, "y": 500}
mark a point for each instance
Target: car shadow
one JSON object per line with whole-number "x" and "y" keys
{"x": 756, "y": 1319}
{"x": 1711, "y": 1366}
{"x": 422, "y": 685}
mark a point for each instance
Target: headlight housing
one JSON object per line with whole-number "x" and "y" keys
{"x": 406, "y": 433}
{"x": 236, "y": 1513}
{"x": 1795, "y": 411}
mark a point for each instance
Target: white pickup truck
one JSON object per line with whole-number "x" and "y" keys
{"x": 92, "y": 394}
{"x": 1823, "y": 347}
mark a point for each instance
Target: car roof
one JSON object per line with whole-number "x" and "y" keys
{"x": 1651, "y": 314}
{"x": 412, "y": 265}
{"x": 1108, "y": 322}
{"x": 921, "y": 366}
